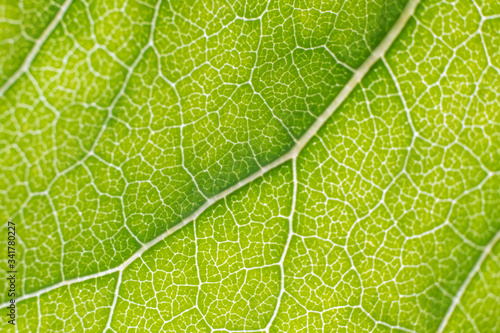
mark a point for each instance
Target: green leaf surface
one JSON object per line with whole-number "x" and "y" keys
{"x": 251, "y": 166}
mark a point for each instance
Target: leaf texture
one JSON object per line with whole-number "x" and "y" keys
{"x": 304, "y": 166}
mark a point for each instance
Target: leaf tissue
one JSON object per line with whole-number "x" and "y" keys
{"x": 250, "y": 165}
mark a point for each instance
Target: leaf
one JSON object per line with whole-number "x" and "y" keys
{"x": 313, "y": 166}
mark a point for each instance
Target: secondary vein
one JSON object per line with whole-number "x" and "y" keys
{"x": 36, "y": 48}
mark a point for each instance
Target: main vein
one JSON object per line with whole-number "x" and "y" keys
{"x": 379, "y": 51}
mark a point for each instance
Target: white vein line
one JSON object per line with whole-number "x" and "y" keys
{"x": 36, "y": 48}
{"x": 292, "y": 154}
{"x": 285, "y": 249}
{"x": 65, "y": 283}
{"x": 115, "y": 299}
{"x": 477, "y": 267}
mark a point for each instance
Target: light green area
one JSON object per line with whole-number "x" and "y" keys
{"x": 479, "y": 308}
{"x": 134, "y": 113}
{"x": 221, "y": 272}
{"x": 79, "y": 307}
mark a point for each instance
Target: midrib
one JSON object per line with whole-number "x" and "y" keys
{"x": 379, "y": 51}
